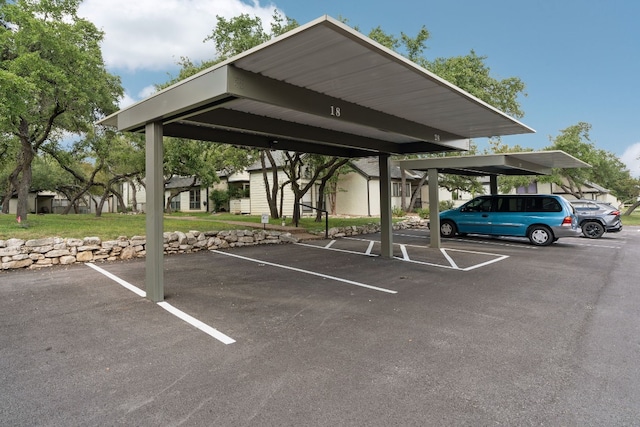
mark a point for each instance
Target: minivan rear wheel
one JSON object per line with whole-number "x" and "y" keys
{"x": 540, "y": 235}
{"x": 592, "y": 229}
{"x": 447, "y": 228}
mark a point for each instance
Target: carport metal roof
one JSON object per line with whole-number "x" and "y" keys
{"x": 524, "y": 163}
{"x": 321, "y": 88}
{"x": 324, "y": 88}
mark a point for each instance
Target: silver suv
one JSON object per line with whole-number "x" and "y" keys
{"x": 596, "y": 217}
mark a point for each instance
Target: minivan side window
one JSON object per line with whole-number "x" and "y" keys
{"x": 510, "y": 204}
{"x": 481, "y": 204}
{"x": 543, "y": 204}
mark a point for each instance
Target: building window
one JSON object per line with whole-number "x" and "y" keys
{"x": 529, "y": 189}
{"x": 175, "y": 204}
{"x": 396, "y": 186}
{"x": 194, "y": 199}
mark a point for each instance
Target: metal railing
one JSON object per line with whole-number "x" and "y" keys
{"x": 326, "y": 218}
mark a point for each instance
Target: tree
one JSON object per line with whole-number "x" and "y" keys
{"x": 331, "y": 188}
{"x": 95, "y": 165}
{"x": 303, "y": 170}
{"x": 201, "y": 161}
{"x": 52, "y": 79}
{"x": 472, "y": 74}
{"x": 327, "y": 170}
{"x": 606, "y": 169}
{"x": 271, "y": 190}
{"x": 9, "y": 148}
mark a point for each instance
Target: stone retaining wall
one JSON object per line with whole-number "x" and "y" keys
{"x": 37, "y": 253}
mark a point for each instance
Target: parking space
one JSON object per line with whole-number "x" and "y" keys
{"x": 413, "y": 246}
{"x": 488, "y": 331}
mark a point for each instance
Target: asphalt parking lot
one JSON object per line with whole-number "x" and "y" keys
{"x": 484, "y": 332}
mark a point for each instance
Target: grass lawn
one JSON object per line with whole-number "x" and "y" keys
{"x": 111, "y": 226}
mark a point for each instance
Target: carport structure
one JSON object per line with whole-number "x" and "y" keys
{"x": 492, "y": 165}
{"x": 321, "y": 88}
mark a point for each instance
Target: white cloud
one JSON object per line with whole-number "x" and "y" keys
{"x": 147, "y": 91}
{"x": 126, "y": 100}
{"x": 631, "y": 158}
{"x": 154, "y": 35}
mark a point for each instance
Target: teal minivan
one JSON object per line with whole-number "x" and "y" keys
{"x": 543, "y": 218}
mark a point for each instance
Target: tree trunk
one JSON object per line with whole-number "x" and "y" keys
{"x": 6, "y": 199}
{"x": 333, "y": 166}
{"x": 24, "y": 182}
{"x": 134, "y": 195}
{"x": 272, "y": 190}
{"x": 296, "y": 209}
{"x": 167, "y": 207}
{"x": 120, "y": 202}
{"x": 100, "y": 205}
{"x": 282, "y": 196}
{"x": 11, "y": 190}
{"x": 632, "y": 208}
{"x": 320, "y": 203}
{"x": 414, "y": 196}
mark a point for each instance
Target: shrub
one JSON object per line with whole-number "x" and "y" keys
{"x": 423, "y": 212}
{"x": 445, "y": 204}
{"x": 220, "y": 199}
{"x": 397, "y": 212}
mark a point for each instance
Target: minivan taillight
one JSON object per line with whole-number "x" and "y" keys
{"x": 567, "y": 221}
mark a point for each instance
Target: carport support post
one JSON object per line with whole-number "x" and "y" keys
{"x": 386, "y": 225}
{"x": 434, "y": 207}
{"x": 154, "y": 279}
{"x": 493, "y": 184}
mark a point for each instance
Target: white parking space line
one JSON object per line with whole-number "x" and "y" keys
{"x": 448, "y": 258}
{"x": 592, "y": 245}
{"x": 329, "y": 248}
{"x": 171, "y": 309}
{"x": 198, "y": 324}
{"x": 115, "y": 278}
{"x": 370, "y": 248}
{"x": 411, "y": 235}
{"x": 312, "y": 273}
{"x": 524, "y": 244}
{"x": 328, "y": 245}
{"x": 405, "y": 255}
{"x": 452, "y": 264}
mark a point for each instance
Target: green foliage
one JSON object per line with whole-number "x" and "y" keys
{"x": 423, "y": 212}
{"x": 607, "y": 170}
{"x": 232, "y": 37}
{"x": 445, "y": 205}
{"x": 52, "y": 79}
{"x": 219, "y": 199}
{"x": 397, "y": 212}
{"x": 472, "y": 74}
{"x": 52, "y": 68}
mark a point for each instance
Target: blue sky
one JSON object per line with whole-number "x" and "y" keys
{"x": 580, "y": 59}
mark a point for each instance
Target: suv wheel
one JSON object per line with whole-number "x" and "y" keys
{"x": 447, "y": 228}
{"x": 540, "y": 235}
{"x": 592, "y": 229}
